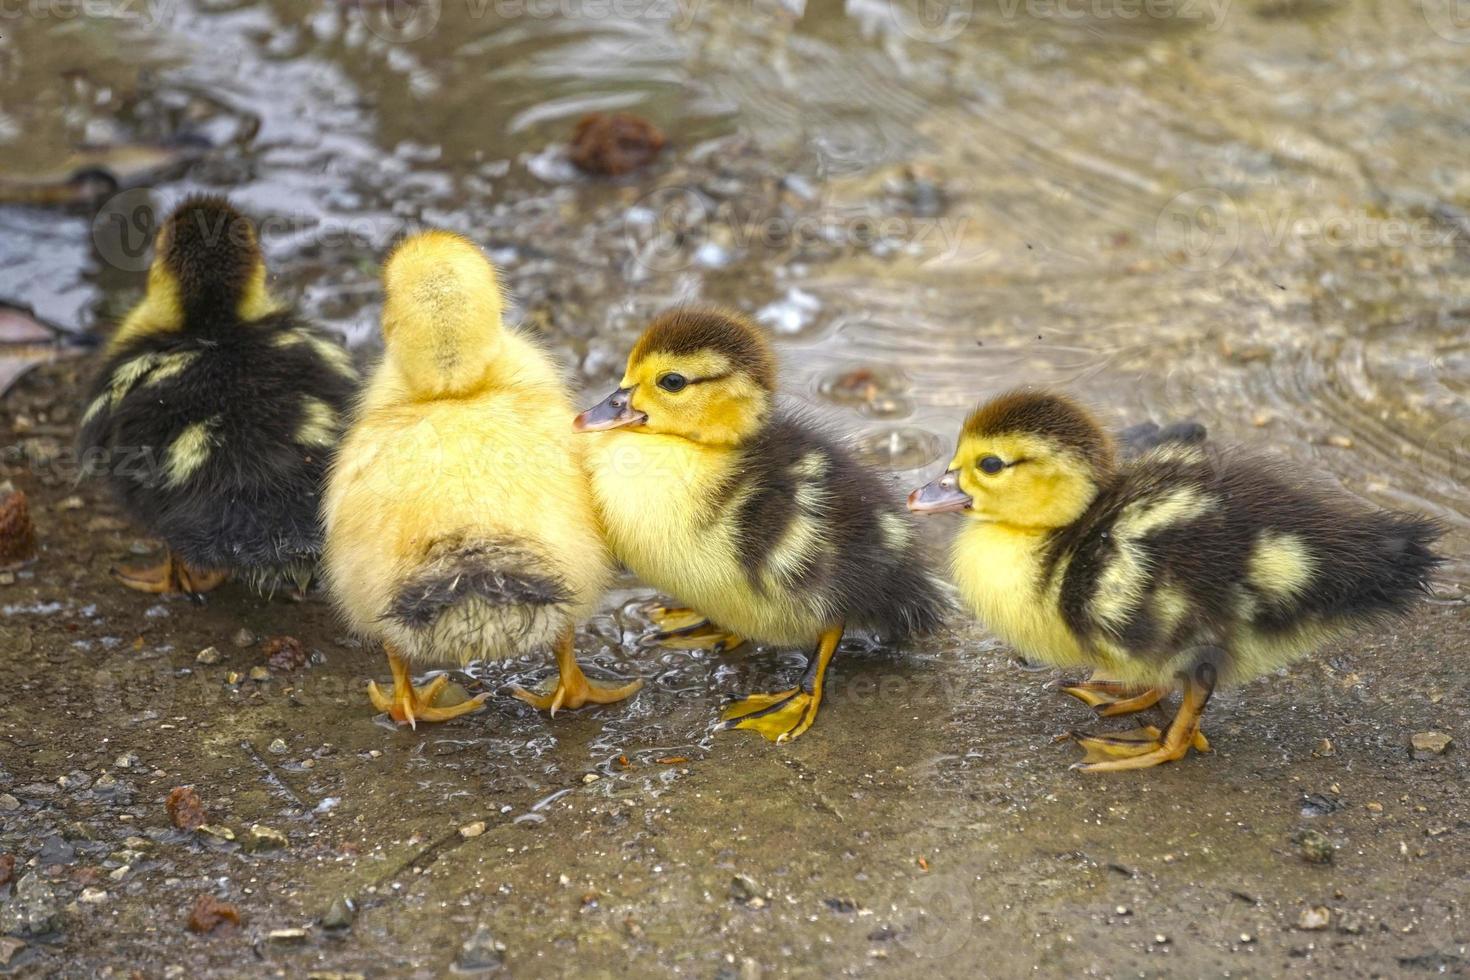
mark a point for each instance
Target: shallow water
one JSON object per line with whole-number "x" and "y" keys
{"x": 1250, "y": 213}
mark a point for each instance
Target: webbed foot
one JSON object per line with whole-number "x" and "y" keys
{"x": 409, "y": 705}
{"x": 573, "y": 689}
{"x": 681, "y": 628}
{"x": 169, "y": 576}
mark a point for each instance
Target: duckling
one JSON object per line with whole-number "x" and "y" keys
{"x": 1182, "y": 567}
{"x": 711, "y": 493}
{"x": 215, "y": 411}
{"x": 459, "y": 521}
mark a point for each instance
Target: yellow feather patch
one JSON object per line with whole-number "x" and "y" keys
{"x": 334, "y": 354}
{"x": 1123, "y": 583}
{"x": 1281, "y": 565}
{"x": 318, "y": 424}
{"x": 170, "y": 365}
{"x": 1171, "y": 605}
{"x": 897, "y": 533}
{"x": 189, "y": 452}
{"x": 95, "y": 409}
{"x": 812, "y": 466}
{"x": 793, "y": 555}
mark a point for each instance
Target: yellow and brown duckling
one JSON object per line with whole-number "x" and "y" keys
{"x": 215, "y": 412}
{"x": 711, "y": 493}
{"x": 1184, "y": 567}
{"x": 459, "y": 521}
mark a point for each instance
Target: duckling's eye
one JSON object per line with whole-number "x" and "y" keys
{"x": 992, "y": 464}
{"x": 672, "y": 382}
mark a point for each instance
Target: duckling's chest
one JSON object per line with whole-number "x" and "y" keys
{"x": 999, "y": 571}
{"x": 656, "y": 495}
{"x": 668, "y": 518}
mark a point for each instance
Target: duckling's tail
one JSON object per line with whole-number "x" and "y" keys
{"x": 1406, "y": 544}
{"x": 482, "y": 599}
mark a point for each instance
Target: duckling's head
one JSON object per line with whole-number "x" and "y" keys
{"x": 441, "y": 314}
{"x": 1026, "y": 459}
{"x": 706, "y": 375}
{"x": 207, "y": 268}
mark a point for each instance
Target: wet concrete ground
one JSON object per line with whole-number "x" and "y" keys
{"x": 927, "y": 825}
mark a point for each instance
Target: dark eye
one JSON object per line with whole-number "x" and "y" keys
{"x": 992, "y": 464}
{"x": 673, "y": 382}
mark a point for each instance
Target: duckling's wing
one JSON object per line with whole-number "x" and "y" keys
{"x": 218, "y": 444}
{"x": 1147, "y": 435}
{"x": 819, "y": 525}
{"x": 1188, "y": 549}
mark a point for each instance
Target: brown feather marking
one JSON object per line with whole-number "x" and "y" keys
{"x": 690, "y": 331}
{"x": 1048, "y": 415}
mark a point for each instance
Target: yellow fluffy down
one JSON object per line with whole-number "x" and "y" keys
{"x": 497, "y": 460}
{"x": 682, "y": 542}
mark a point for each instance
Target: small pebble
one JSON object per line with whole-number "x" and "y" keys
{"x": 277, "y": 747}
{"x": 744, "y": 888}
{"x": 341, "y": 914}
{"x": 17, "y": 533}
{"x": 1314, "y": 919}
{"x": 209, "y": 656}
{"x": 1315, "y": 848}
{"x": 472, "y": 830}
{"x": 208, "y": 912}
{"x": 218, "y": 831}
{"x": 263, "y": 838}
{"x": 1427, "y": 745}
{"x": 481, "y": 953}
{"x": 8, "y": 802}
{"x": 287, "y": 935}
{"x": 243, "y": 638}
{"x": 591, "y": 777}
{"x": 92, "y": 896}
{"x": 260, "y": 673}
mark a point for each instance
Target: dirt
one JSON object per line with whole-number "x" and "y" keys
{"x": 928, "y": 824}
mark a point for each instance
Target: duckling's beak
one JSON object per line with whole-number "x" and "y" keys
{"x": 940, "y": 495}
{"x": 613, "y": 412}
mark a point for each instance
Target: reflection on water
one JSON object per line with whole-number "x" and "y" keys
{"x": 1250, "y": 213}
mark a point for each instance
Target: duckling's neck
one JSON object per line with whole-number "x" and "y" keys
{"x": 519, "y": 364}
{"x": 732, "y": 429}
{"x": 165, "y": 309}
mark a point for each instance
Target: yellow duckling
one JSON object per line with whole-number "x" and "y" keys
{"x": 459, "y": 524}
{"x": 1182, "y": 567}
{"x": 215, "y": 410}
{"x": 748, "y": 513}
